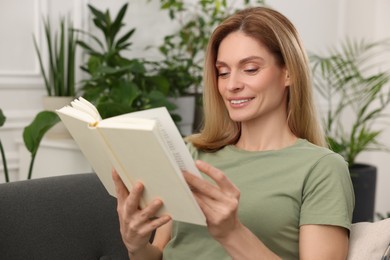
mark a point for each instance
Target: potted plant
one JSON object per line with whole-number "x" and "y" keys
{"x": 353, "y": 82}
{"x": 59, "y": 80}
{"x": 116, "y": 84}
{"x": 59, "y": 76}
{"x": 183, "y": 51}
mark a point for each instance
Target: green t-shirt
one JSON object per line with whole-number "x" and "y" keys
{"x": 280, "y": 191}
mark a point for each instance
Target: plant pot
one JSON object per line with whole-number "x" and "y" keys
{"x": 51, "y": 103}
{"x": 364, "y": 184}
{"x": 186, "y": 110}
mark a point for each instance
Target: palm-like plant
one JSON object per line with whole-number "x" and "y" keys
{"x": 354, "y": 85}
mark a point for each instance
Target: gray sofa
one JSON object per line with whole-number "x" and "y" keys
{"x": 66, "y": 217}
{"x": 73, "y": 217}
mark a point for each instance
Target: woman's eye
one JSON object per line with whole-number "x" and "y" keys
{"x": 223, "y": 74}
{"x": 251, "y": 70}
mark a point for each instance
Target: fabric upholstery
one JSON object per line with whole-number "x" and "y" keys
{"x": 66, "y": 217}
{"x": 369, "y": 240}
{"x": 73, "y": 217}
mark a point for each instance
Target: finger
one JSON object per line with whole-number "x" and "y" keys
{"x": 120, "y": 188}
{"x": 150, "y": 211}
{"x": 204, "y": 202}
{"x": 218, "y": 176}
{"x": 134, "y": 198}
{"x": 156, "y": 223}
{"x": 200, "y": 186}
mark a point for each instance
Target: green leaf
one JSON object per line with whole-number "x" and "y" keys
{"x": 2, "y": 117}
{"x": 161, "y": 83}
{"x": 117, "y": 23}
{"x": 71, "y": 63}
{"x": 87, "y": 46}
{"x": 109, "y": 109}
{"x": 126, "y": 92}
{"x": 158, "y": 99}
{"x": 42, "y": 68}
{"x": 125, "y": 38}
{"x": 97, "y": 13}
{"x": 33, "y": 133}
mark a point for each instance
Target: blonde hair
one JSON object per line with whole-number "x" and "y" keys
{"x": 281, "y": 38}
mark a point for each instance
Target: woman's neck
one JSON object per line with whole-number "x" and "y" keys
{"x": 262, "y": 135}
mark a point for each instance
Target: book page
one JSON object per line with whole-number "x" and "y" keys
{"x": 85, "y": 106}
{"x": 77, "y": 114}
{"x": 169, "y": 134}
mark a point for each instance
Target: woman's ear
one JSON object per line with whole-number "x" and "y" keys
{"x": 287, "y": 80}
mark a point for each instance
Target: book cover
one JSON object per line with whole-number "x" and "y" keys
{"x": 142, "y": 146}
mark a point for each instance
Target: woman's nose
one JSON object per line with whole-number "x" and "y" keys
{"x": 235, "y": 83}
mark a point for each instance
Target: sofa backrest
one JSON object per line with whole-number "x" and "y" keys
{"x": 66, "y": 217}
{"x": 73, "y": 217}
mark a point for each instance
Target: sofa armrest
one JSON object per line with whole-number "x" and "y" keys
{"x": 64, "y": 217}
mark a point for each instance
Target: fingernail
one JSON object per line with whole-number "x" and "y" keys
{"x": 138, "y": 186}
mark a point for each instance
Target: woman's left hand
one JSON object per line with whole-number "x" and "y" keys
{"x": 219, "y": 201}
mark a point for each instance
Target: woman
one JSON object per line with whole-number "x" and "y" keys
{"x": 275, "y": 191}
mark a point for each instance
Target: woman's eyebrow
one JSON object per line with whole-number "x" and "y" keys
{"x": 251, "y": 58}
{"x": 242, "y": 61}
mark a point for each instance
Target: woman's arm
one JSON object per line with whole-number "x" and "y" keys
{"x": 162, "y": 236}
{"x": 323, "y": 242}
{"x": 320, "y": 242}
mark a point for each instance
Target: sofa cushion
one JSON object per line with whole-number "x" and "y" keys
{"x": 66, "y": 217}
{"x": 369, "y": 240}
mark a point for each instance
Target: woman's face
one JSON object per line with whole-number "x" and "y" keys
{"x": 251, "y": 83}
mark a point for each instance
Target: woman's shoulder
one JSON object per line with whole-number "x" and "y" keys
{"x": 315, "y": 155}
{"x": 305, "y": 146}
{"x": 302, "y": 149}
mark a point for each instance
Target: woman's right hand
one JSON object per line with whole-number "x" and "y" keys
{"x": 136, "y": 225}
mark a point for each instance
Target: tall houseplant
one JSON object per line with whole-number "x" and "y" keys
{"x": 353, "y": 82}
{"x": 59, "y": 80}
{"x": 59, "y": 77}
{"x": 115, "y": 83}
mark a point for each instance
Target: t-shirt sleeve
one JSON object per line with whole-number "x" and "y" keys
{"x": 328, "y": 197}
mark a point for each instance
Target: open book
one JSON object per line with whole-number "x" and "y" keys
{"x": 142, "y": 146}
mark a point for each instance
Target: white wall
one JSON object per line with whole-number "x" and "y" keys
{"x": 321, "y": 24}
